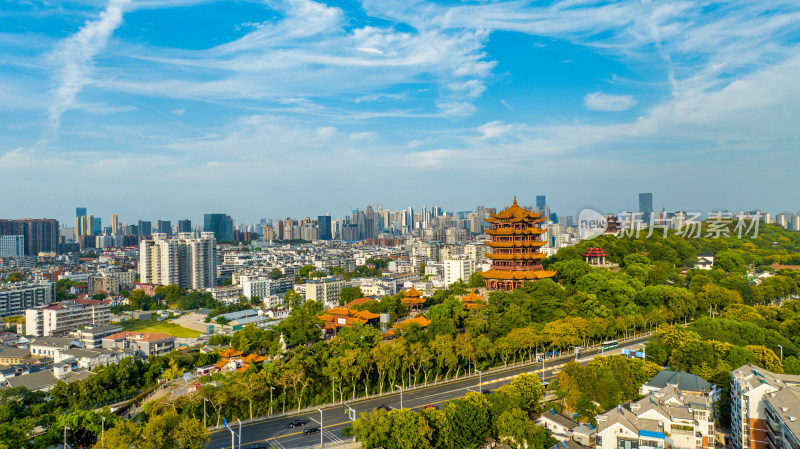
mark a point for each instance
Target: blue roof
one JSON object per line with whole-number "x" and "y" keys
{"x": 647, "y": 433}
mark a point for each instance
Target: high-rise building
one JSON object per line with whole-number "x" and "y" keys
{"x": 458, "y": 267}
{"x": 324, "y": 227}
{"x": 515, "y": 240}
{"x": 185, "y": 225}
{"x": 97, "y": 226}
{"x": 40, "y": 234}
{"x": 541, "y": 203}
{"x": 165, "y": 227}
{"x": 145, "y": 228}
{"x": 188, "y": 262}
{"x": 114, "y": 224}
{"x": 220, "y": 224}
{"x": 646, "y": 206}
{"x": 80, "y": 212}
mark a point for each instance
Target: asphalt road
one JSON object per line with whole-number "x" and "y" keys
{"x": 277, "y": 433}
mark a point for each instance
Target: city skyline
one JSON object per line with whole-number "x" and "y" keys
{"x": 173, "y": 109}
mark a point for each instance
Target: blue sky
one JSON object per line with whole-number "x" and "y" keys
{"x": 173, "y": 108}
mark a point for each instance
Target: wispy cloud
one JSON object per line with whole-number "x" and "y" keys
{"x": 76, "y": 57}
{"x": 599, "y": 101}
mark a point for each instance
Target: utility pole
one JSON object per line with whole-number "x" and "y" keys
{"x": 204, "y": 412}
{"x": 103, "y": 430}
{"x": 240, "y": 433}
{"x": 401, "y": 395}
{"x": 479, "y": 380}
{"x": 781, "y": 352}
{"x": 333, "y": 390}
{"x": 320, "y": 428}
{"x": 270, "y": 399}
{"x": 65, "y": 437}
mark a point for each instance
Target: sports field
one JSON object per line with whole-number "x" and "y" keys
{"x": 162, "y": 327}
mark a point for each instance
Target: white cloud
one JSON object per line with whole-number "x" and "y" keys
{"x": 76, "y": 54}
{"x": 326, "y": 132}
{"x": 599, "y": 101}
{"x": 178, "y": 112}
{"x": 498, "y": 129}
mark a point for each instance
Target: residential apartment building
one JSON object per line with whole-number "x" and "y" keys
{"x": 12, "y": 245}
{"x": 668, "y": 418}
{"x": 40, "y": 234}
{"x": 148, "y": 343}
{"x": 765, "y": 408}
{"x": 59, "y": 319}
{"x": 186, "y": 261}
{"x": 325, "y": 290}
{"x": 16, "y": 297}
{"x": 458, "y": 267}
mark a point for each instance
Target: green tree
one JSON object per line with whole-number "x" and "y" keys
{"x": 275, "y": 274}
{"x": 305, "y": 270}
{"x": 476, "y": 280}
{"x": 348, "y": 294}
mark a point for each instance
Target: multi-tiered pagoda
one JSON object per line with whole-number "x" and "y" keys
{"x": 515, "y": 241}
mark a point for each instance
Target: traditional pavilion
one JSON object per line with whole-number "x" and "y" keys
{"x": 472, "y": 300}
{"x": 412, "y": 298}
{"x": 420, "y": 320}
{"x": 595, "y": 256}
{"x": 233, "y": 360}
{"x": 516, "y": 236}
{"x": 339, "y": 317}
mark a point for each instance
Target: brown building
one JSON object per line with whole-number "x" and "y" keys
{"x": 41, "y": 234}
{"x": 516, "y": 236}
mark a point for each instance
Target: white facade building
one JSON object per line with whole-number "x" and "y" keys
{"x": 184, "y": 260}
{"x": 458, "y": 267}
{"x": 15, "y": 297}
{"x": 12, "y": 245}
{"x": 60, "y": 319}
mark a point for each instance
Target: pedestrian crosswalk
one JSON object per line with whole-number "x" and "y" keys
{"x": 538, "y": 371}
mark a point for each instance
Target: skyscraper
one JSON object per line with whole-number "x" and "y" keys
{"x": 646, "y": 205}
{"x": 324, "y": 227}
{"x": 185, "y": 225}
{"x": 97, "y": 226}
{"x": 541, "y": 202}
{"x": 145, "y": 228}
{"x": 80, "y": 212}
{"x": 165, "y": 227}
{"x": 114, "y": 224}
{"x": 220, "y": 224}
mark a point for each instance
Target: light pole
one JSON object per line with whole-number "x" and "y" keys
{"x": 577, "y": 348}
{"x": 479, "y": 380}
{"x": 781, "y": 352}
{"x": 270, "y": 399}
{"x": 103, "y": 430}
{"x": 204, "y": 412}
{"x": 320, "y": 427}
{"x": 240, "y": 433}
{"x": 333, "y": 389}
{"x": 65, "y": 437}
{"x": 401, "y": 395}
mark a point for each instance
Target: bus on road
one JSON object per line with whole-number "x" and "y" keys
{"x": 611, "y": 344}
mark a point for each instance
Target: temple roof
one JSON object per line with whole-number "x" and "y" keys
{"x": 421, "y": 320}
{"x": 515, "y": 256}
{"x": 514, "y": 212}
{"x": 510, "y": 231}
{"x": 472, "y": 297}
{"x": 366, "y": 315}
{"x": 412, "y": 293}
{"x": 594, "y": 252}
{"x": 230, "y": 352}
{"x": 412, "y": 300}
{"x": 532, "y": 243}
{"x": 523, "y": 275}
{"x": 338, "y": 311}
{"x": 359, "y": 301}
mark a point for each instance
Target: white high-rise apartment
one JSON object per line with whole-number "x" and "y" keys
{"x": 59, "y": 319}
{"x": 458, "y": 267}
{"x": 183, "y": 260}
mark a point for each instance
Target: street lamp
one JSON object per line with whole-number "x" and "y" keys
{"x": 333, "y": 389}
{"x": 103, "y": 430}
{"x": 65, "y": 437}
{"x": 240, "y": 433}
{"x": 270, "y": 399}
{"x": 781, "y": 352}
{"x": 577, "y": 348}
{"x": 320, "y": 427}
{"x": 204, "y": 412}
{"x": 479, "y": 380}
{"x": 401, "y": 395}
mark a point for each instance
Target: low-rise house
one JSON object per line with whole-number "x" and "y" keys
{"x": 51, "y": 346}
{"x": 14, "y": 356}
{"x": 559, "y": 425}
{"x": 683, "y": 381}
{"x": 148, "y": 343}
{"x": 92, "y": 336}
{"x": 668, "y": 418}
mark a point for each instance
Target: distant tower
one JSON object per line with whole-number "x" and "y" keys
{"x": 646, "y": 206}
{"x": 114, "y": 224}
{"x": 541, "y": 203}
